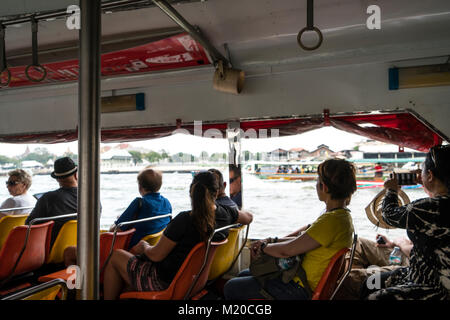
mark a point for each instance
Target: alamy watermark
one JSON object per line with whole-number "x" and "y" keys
{"x": 373, "y": 22}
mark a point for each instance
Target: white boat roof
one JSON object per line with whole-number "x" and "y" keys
{"x": 347, "y": 74}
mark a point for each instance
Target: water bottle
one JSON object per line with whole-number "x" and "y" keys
{"x": 395, "y": 259}
{"x": 287, "y": 263}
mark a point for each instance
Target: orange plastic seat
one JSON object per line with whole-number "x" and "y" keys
{"x": 107, "y": 246}
{"x": 329, "y": 279}
{"x": 67, "y": 236}
{"x": 334, "y": 275}
{"x": 7, "y": 223}
{"x": 121, "y": 241}
{"x": 184, "y": 285}
{"x": 21, "y": 253}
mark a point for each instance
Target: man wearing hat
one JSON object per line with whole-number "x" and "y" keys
{"x": 60, "y": 201}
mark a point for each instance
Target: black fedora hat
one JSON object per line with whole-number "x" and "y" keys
{"x": 64, "y": 167}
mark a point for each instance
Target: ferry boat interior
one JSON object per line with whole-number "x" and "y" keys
{"x": 129, "y": 70}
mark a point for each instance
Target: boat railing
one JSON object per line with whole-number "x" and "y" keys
{"x": 44, "y": 219}
{"x": 39, "y": 288}
{"x": 14, "y": 209}
{"x": 126, "y": 223}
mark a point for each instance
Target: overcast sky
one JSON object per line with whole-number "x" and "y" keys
{"x": 335, "y": 139}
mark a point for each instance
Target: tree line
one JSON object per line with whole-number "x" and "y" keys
{"x": 42, "y": 155}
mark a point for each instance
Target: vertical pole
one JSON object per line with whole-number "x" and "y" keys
{"x": 88, "y": 149}
{"x": 234, "y": 147}
{"x": 234, "y": 156}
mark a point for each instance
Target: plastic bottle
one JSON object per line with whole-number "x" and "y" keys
{"x": 395, "y": 259}
{"x": 287, "y": 263}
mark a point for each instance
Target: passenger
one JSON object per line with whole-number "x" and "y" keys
{"x": 61, "y": 201}
{"x": 151, "y": 204}
{"x": 18, "y": 184}
{"x": 427, "y": 223}
{"x": 152, "y": 268}
{"x": 235, "y": 185}
{"x": 378, "y": 170}
{"x": 222, "y": 197}
{"x": 331, "y": 232}
{"x": 371, "y": 257}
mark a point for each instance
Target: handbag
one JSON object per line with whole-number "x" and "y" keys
{"x": 265, "y": 267}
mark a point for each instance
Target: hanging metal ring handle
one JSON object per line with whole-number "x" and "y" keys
{"x": 36, "y": 68}
{"x": 310, "y": 27}
{"x": 3, "y": 66}
{"x": 299, "y": 38}
{"x": 35, "y": 64}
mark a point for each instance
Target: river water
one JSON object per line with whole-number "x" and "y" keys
{"x": 279, "y": 207}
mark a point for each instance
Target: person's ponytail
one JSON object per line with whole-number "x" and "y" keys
{"x": 203, "y": 194}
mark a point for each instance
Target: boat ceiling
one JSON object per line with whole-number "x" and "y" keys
{"x": 261, "y": 33}
{"x": 347, "y": 74}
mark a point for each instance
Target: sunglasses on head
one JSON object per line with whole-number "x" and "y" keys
{"x": 11, "y": 183}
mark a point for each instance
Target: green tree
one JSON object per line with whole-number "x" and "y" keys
{"x": 153, "y": 156}
{"x": 204, "y": 155}
{"x": 136, "y": 156}
{"x": 5, "y": 159}
{"x": 40, "y": 155}
{"x": 164, "y": 154}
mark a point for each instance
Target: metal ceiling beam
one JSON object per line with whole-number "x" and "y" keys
{"x": 120, "y": 5}
{"x": 193, "y": 31}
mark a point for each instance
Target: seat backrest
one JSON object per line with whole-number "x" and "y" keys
{"x": 203, "y": 276}
{"x": 189, "y": 270}
{"x": 153, "y": 239}
{"x": 7, "y": 223}
{"x": 225, "y": 254}
{"x": 329, "y": 280}
{"x": 36, "y": 248}
{"x": 106, "y": 239}
{"x": 67, "y": 236}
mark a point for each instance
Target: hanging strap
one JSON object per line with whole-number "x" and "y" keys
{"x": 3, "y": 66}
{"x": 310, "y": 15}
{"x": 2, "y": 48}
{"x": 310, "y": 27}
{"x": 34, "y": 53}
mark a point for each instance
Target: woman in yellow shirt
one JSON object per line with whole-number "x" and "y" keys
{"x": 331, "y": 232}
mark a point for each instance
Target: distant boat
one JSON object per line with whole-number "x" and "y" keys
{"x": 367, "y": 175}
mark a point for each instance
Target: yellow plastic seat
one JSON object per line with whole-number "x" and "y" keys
{"x": 67, "y": 236}
{"x": 225, "y": 254}
{"x": 153, "y": 239}
{"x": 50, "y": 293}
{"x": 7, "y": 223}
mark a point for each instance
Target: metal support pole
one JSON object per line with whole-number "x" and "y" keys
{"x": 234, "y": 150}
{"x": 89, "y": 149}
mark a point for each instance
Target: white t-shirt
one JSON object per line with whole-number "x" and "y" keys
{"x": 23, "y": 200}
